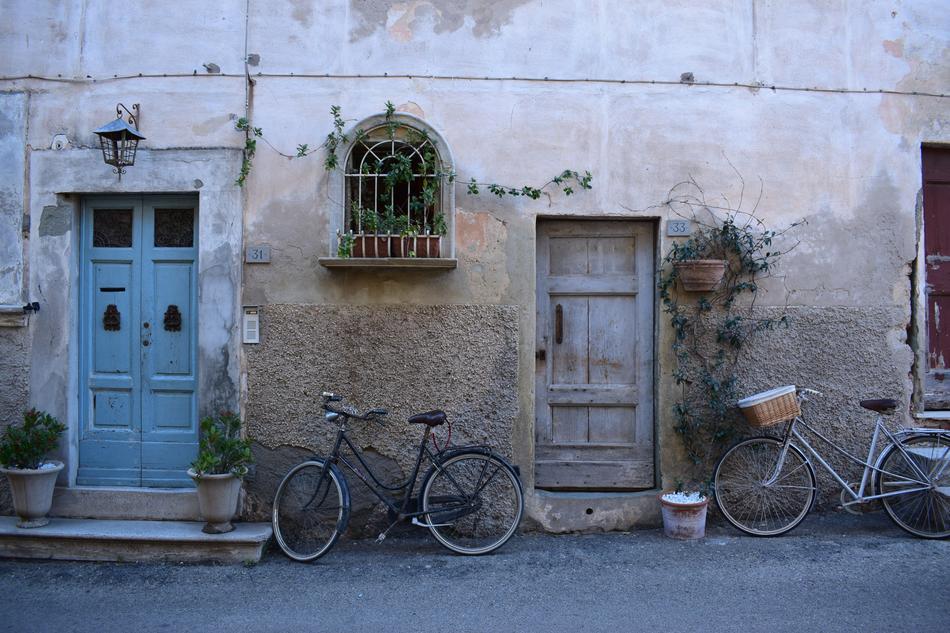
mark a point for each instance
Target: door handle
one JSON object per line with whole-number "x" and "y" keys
{"x": 558, "y": 324}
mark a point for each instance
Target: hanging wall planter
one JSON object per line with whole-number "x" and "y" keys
{"x": 700, "y": 275}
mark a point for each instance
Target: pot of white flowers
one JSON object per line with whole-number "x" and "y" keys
{"x": 684, "y": 514}
{"x": 32, "y": 477}
{"x": 223, "y": 458}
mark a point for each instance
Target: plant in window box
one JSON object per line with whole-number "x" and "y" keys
{"x": 22, "y": 459}
{"x": 430, "y": 244}
{"x": 223, "y": 458}
{"x": 368, "y": 242}
{"x": 405, "y": 244}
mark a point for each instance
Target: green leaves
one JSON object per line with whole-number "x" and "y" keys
{"x": 250, "y": 148}
{"x": 562, "y": 181}
{"x": 26, "y": 445}
{"x": 709, "y": 336}
{"x": 221, "y": 449}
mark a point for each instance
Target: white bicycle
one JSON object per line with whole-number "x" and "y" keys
{"x": 766, "y": 485}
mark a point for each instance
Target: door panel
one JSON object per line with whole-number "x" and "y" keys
{"x": 138, "y": 401}
{"x": 594, "y": 375}
{"x": 169, "y": 402}
{"x": 936, "y": 176}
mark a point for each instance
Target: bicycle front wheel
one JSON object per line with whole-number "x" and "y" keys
{"x": 920, "y": 473}
{"x": 473, "y": 502}
{"x": 757, "y": 499}
{"x": 311, "y": 509}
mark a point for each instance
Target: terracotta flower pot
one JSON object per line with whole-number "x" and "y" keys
{"x": 217, "y": 500}
{"x": 700, "y": 275}
{"x": 400, "y": 246}
{"x": 368, "y": 245}
{"x": 32, "y": 491}
{"x": 684, "y": 521}
{"x": 428, "y": 245}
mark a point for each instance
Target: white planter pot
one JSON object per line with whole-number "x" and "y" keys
{"x": 32, "y": 493}
{"x": 217, "y": 500}
{"x": 684, "y": 521}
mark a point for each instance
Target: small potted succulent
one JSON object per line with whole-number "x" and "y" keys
{"x": 223, "y": 458}
{"x": 32, "y": 477}
{"x": 684, "y": 513}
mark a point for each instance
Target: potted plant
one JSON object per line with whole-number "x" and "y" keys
{"x": 368, "y": 242}
{"x": 22, "y": 459}
{"x": 684, "y": 514}
{"x": 402, "y": 242}
{"x": 429, "y": 245}
{"x": 700, "y": 262}
{"x": 223, "y": 458}
{"x": 711, "y": 332}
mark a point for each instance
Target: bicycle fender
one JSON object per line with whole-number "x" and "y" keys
{"x": 344, "y": 490}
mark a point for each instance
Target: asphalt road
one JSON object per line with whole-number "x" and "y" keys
{"x": 834, "y": 573}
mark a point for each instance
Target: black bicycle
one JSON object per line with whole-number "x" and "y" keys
{"x": 471, "y": 499}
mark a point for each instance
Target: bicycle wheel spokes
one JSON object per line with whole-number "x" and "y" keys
{"x": 757, "y": 499}
{"x": 310, "y": 511}
{"x": 920, "y": 471}
{"x": 474, "y": 503}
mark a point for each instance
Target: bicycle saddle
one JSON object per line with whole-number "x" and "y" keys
{"x": 431, "y": 418}
{"x": 881, "y": 405}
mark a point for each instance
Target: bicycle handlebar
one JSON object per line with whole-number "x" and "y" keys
{"x": 371, "y": 414}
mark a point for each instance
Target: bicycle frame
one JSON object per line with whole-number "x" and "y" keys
{"x": 792, "y": 432}
{"x": 402, "y": 509}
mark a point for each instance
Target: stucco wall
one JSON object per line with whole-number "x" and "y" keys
{"x": 408, "y": 359}
{"x": 824, "y": 105}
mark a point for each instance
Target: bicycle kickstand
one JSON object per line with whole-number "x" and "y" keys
{"x": 382, "y": 535}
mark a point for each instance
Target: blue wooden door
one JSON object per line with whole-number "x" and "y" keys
{"x": 139, "y": 341}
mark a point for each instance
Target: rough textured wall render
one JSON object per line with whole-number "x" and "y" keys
{"x": 408, "y": 359}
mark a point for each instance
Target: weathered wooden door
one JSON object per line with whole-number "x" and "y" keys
{"x": 936, "y": 168}
{"x": 138, "y": 319}
{"x": 594, "y": 367}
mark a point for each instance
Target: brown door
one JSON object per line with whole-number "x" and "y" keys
{"x": 936, "y": 167}
{"x": 594, "y": 368}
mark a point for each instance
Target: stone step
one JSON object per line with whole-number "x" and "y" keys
{"x": 138, "y": 541}
{"x": 105, "y": 502}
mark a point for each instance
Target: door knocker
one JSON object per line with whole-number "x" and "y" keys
{"x": 111, "y": 319}
{"x": 172, "y": 319}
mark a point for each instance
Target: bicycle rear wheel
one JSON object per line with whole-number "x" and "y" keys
{"x": 752, "y": 499}
{"x": 923, "y": 469}
{"x": 473, "y": 502}
{"x": 311, "y": 509}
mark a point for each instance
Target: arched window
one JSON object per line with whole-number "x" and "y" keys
{"x": 397, "y": 190}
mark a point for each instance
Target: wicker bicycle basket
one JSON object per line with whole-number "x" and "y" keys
{"x": 770, "y": 407}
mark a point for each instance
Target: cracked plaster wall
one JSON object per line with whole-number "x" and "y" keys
{"x": 849, "y": 163}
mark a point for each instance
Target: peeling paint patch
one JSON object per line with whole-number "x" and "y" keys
{"x": 894, "y": 47}
{"x": 477, "y": 230}
{"x": 402, "y": 19}
{"x": 411, "y": 108}
{"x": 56, "y": 220}
{"x": 303, "y": 12}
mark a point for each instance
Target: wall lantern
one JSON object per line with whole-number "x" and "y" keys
{"x": 119, "y": 139}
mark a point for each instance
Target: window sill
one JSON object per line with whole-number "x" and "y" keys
{"x": 418, "y": 263}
